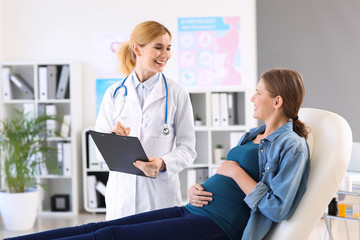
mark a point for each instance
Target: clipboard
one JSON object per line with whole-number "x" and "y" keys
{"x": 120, "y": 152}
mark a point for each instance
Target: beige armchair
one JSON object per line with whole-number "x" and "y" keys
{"x": 330, "y": 143}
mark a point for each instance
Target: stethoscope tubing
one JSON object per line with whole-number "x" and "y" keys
{"x": 122, "y": 85}
{"x": 166, "y": 99}
{"x": 165, "y": 130}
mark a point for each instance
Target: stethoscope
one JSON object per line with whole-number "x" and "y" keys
{"x": 165, "y": 130}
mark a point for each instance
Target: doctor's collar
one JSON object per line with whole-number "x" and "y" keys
{"x": 148, "y": 84}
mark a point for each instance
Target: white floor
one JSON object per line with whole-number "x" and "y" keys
{"x": 50, "y": 222}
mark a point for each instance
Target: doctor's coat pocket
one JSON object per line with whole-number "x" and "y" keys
{"x": 161, "y": 141}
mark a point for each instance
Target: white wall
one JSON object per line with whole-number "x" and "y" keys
{"x": 320, "y": 39}
{"x": 1, "y": 32}
{"x": 63, "y": 29}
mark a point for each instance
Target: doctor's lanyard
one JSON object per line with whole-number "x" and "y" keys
{"x": 165, "y": 130}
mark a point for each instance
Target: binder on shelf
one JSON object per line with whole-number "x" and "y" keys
{"x": 239, "y": 107}
{"x": 60, "y": 158}
{"x": 41, "y": 109}
{"x": 94, "y": 157}
{"x": 92, "y": 198}
{"x": 67, "y": 158}
{"x": 50, "y": 110}
{"x": 191, "y": 178}
{"x": 23, "y": 85}
{"x": 201, "y": 175}
{"x": 65, "y": 126}
{"x": 100, "y": 187}
{"x": 62, "y": 87}
{"x": 224, "y": 111}
{"x": 206, "y": 173}
{"x": 43, "y": 83}
{"x": 43, "y": 168}
{"x": 215, "y": 102}
{"x": 51, "y": 81}
{"x": 231, "y": 111}
{"x": 7, "y": 90}
{"x": 29, "y": 110}
{"x": 41, "y": 112}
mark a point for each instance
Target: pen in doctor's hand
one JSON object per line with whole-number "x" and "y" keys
{"x": 120, "y": 129}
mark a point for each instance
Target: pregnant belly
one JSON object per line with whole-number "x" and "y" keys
{"x": 227, "y": 197}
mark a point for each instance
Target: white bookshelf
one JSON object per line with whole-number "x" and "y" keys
{"x": 71, "y": 105}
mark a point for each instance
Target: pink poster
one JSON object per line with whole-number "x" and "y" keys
{"x": 209, "y": 51}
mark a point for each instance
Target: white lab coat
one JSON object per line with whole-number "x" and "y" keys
{"x": 128, "y": 194}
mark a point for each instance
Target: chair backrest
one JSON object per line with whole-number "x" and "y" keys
{"x": 330, "y": 143}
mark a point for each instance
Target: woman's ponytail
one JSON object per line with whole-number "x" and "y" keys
{"x": 300, "y": 128}
{"x": 126, "y": 58}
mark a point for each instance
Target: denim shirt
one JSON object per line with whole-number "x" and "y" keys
{"x": 284, "y": 165}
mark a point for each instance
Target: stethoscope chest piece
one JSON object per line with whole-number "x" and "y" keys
{"x": 165, "y": 130}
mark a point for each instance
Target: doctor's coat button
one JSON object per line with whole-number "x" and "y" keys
{"x": 268, "y": 168}
{"x": 261, "y": 150}
{"x": 262, "y": 173}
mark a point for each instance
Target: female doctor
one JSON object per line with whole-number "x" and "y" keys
{"x": 150, "y": 106}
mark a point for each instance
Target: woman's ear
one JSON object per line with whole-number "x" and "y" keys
{"x": 136, "y": 49}
{"x": 278, "y": 102}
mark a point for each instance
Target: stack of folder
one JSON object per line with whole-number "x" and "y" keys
{"x": 53, "y": 84}
{"x": 95, "y": 189}
{"x": 13, "y": 80}
{"x": 227, "y": 108}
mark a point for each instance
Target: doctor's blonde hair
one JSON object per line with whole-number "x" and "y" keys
{"x": 142, "y": 34}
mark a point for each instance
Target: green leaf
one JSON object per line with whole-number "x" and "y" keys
{"x": 23, "y": 146}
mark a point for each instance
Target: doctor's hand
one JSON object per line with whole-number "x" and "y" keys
{"x": 198, "y": 197}
{"x": 151, "y": 168}
{"x": 120, "y": 129}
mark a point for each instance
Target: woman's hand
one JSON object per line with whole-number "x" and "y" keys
{"x": 198, "y": 197}
{"x": 151, "y": 168}
{"x": 120, "y": 129}
{"x": 229, "y": 169}
{"x": 235, "y": 171}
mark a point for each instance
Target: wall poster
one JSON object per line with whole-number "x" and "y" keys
{"x": 209, "y": 51}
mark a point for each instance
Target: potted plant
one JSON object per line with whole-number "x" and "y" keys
{"x": 218, "y": 152}
{"x": 198, "y": 120}
{"x": 23, "y": 152}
